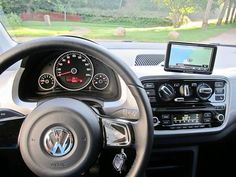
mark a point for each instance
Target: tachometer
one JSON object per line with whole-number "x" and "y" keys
{"x": 46, "y": 81}
{"x": 73, "y": 70}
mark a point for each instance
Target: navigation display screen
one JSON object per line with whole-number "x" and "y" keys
{"x": 191, "y": 58}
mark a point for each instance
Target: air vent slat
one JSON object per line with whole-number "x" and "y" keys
{"x": 148, "y": 59}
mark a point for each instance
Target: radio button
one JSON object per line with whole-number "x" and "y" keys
{"x": 166, "y": 122}
{"x": 155, "y": 121}
{"x": 165, "y": 116}
{"x": 207, "y": 120}
{"x": 149, "y": 85}
{"x": 220, "y": 117}
{"x": 207, "y": 114}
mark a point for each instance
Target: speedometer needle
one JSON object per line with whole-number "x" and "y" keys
{"x": 65, "y": 73}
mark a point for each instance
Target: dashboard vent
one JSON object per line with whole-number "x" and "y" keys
{"x": 149, "y": 60}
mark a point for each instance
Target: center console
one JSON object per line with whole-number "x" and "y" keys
{"x": 187, "y": 103}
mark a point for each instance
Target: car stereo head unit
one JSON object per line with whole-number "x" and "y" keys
{"x": 190, "y": 57}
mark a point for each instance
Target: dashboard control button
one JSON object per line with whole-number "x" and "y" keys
{"x": 219, "y": 98}
{"x": 165, "y": 116}
{"x": 204, "y": 91}
{"x": 219, "y": 90}
{"x": 180, "y": 99}
{"x": 149, "y": 85}
{"x": 219, "y": 84}
{"x": 151, "y": 92}
{"x": 207, "y": 114}
{"x": 166, "y": 92}
{"x": 207, "y": 120}
{"x": 166, "y": 122}
{"x": 155, "y": 121}
{"x": 185, "y": 90}
{"x": 220, "y": 117}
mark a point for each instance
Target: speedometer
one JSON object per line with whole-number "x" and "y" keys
{"x": 73, "y": 70}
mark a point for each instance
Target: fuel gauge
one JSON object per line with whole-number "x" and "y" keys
{"x": 100, "y": 81}
{"x": 46, "y": 81}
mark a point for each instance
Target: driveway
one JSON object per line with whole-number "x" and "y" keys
{"x": 228, "y": 37}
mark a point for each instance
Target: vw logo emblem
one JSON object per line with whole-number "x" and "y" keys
{"x": 58, "y": 141}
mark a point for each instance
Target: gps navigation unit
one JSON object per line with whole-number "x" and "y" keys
{"x": 190, "y": 57}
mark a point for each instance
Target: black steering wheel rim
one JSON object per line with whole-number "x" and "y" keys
{"x": 144, "y": 141}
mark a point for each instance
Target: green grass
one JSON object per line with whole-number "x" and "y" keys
{"x": 191, "y": 32}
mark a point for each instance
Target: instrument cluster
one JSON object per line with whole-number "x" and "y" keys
{"x": 69, "y": 72}
{"x": 73, "y": 71}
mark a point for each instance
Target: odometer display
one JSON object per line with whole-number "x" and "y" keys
{"x": 73, "y": 70}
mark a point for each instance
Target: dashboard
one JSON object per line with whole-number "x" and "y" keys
{"x": 66, "y": 73}
{"x": 185, "y": 110}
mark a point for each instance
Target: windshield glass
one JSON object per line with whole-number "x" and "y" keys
{"x": 159, "y": 21}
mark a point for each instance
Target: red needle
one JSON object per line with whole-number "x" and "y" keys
{"x": 65, "y": 73}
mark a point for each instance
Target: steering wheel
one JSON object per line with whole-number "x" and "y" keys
{"x": 64, "y": 136}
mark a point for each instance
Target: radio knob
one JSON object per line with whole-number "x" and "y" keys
{"x": 156, "y": 121}
{"x": 220, "y": 117}
{"x": 204, "y": 91}
{"x": 166, "y": 92}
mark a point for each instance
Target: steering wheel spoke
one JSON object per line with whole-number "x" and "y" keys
{"x": 118, "y": 132}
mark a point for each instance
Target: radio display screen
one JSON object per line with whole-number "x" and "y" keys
{"x": 190, "y": 58}
{"x": 187, "y": 118}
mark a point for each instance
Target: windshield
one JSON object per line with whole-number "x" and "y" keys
{"x": 210, "y": 21}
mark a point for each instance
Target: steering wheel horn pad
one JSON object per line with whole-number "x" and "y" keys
{"x": 63, "y": 121}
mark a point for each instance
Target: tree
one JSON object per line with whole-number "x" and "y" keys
{"x": 228, "y": 12}
{"x": 207, "y": 13}
{"x": 222, "y": 13}
{"x": 19, "y": 6}
{"x": 178, "y": 9}
{"x": 232, "y": 13}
